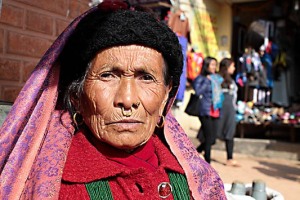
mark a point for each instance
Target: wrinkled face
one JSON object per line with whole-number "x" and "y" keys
{"x": 231, "y": 68}
{"x": 212, "y": 66}
{"x": 124, "y": 95}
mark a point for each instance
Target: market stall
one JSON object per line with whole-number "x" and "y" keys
{"x": 268, "y": 121}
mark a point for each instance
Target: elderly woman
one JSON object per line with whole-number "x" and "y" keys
{"x": 93, "y": 121}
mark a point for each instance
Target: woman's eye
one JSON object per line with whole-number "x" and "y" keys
{"x": 147, "y": 77}
{"x": 106, "y": 75}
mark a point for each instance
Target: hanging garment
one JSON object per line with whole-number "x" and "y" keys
{"x": 184, "y": 43}
{"x": 194, "y": 65}
{"x": 179, "y": 23}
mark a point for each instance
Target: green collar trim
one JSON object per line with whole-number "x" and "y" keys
{"x": 100, "y": 190}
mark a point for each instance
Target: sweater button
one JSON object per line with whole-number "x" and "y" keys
{"x": 164, "y": 189}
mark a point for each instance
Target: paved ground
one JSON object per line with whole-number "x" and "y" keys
{"x": 282, "y": 175}
{"x": 278, "y": 174}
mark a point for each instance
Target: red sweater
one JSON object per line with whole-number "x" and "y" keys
{"x": 131, "y": 175}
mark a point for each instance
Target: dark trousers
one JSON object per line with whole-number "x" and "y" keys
{"x": 207, "y": 135}
{"x": 229, "y": 149}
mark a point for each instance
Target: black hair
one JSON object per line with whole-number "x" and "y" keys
{"x": 207, "y": 60}
{"x": 98, "y": 31}
{"x": 224, "y": 65}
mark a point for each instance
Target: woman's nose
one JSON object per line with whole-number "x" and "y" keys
{"x": 126, "y": 95}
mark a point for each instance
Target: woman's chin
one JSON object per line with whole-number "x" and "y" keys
{"x": 128, "y": 146}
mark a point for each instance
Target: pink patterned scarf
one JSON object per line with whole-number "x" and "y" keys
{"x": 35, "y": 138}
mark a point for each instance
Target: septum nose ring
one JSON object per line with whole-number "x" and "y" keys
{"x": 126, "y": 113}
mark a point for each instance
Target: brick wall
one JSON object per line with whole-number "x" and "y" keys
{"x": 27, "y": 29}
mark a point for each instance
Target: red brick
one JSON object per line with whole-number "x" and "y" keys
{"x": 9, "y": 69}
{"x": 60, "y": 26}
{"x": 77, "y": 8}
{"x": 10, "y": 93}
{"x": 39, "y": 23}
{"x": 1, "y": 40}
{"x": 85, "y": 2}
{"x": 28, "y": 68}
{"x": 55, "y": 6}
{"x": 27, "y": 45}
{"x": 12, "y": 15}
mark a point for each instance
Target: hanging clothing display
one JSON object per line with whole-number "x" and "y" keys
{"x": 184, "y": 43}
{"x": 280, "y": 94}
{"x": 266, "y": 60}
{"x": 194, "y": 65}
{"x": 179, "y": 23}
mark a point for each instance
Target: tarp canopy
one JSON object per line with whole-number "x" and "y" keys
{"x": 257, "y": 32}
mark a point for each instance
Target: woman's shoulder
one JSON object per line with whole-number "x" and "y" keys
{"x": 200, "y": 81}
{"x": 201, "y": 78}
{"x": 217, "y": 77}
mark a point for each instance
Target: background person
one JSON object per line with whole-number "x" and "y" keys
{"x": 227, "y": 122}
{"x": 208, "y": 86}
{"x": 93, "y": 121}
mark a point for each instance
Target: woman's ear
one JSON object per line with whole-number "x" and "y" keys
{"x": 75, "y": 101}
{"x": 166, "y": 98}
{"x": 170, "y": 87}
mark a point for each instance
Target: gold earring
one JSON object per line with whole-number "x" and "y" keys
{"x": 77, "y": 119}
{"x": 162, "y": 123}
{"x": 126, "y": 113}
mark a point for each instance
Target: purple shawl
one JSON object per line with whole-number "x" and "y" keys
{"x": 35, "y": 138}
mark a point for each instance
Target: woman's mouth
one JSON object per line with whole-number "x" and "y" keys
{"x": 126, "y": 124}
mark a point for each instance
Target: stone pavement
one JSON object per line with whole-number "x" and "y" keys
{"x": 278, "y": 174}
{"x": 279, "y": 170}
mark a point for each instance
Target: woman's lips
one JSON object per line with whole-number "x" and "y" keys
{"x": 126, "y": 124}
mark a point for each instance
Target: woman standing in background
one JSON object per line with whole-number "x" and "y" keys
{"x": 227, "y": 123}
{"x": 208, "y": 87}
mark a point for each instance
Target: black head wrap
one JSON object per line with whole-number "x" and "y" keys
{"x": 98, "y": 31}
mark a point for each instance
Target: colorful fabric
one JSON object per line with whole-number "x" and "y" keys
{"x": 182, "y": 86}
{"x": 123, "y": 175}
{"x": 214, "y": 113}
{"x": 35, "y": 139}
{"x": 217, "y": 94}
{"x": 100, "y": 190}
{"x": 194, "y": 65}
{"x": 266, "y": 60}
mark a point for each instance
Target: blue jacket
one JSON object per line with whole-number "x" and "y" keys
{"x": 202, "y": 86}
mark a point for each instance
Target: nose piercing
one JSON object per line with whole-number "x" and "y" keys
{"x": 126, "y": 113}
